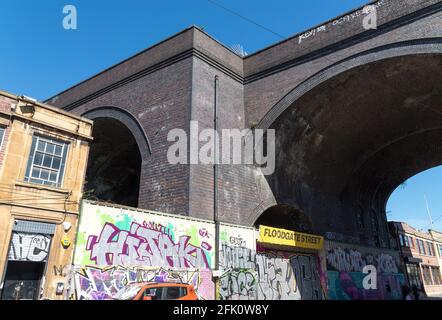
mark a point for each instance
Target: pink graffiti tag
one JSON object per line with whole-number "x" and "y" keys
{"x": 143, "y": 246}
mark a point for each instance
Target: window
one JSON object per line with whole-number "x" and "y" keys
{"x": 427, "y": 275}
{"x": 436, "y": 275}
{"x": 440, "y": 250}
{"x": 421, "y": 247}
{"x": 154, "y": 293}
{"x": 412, "y": 242}
{"x": 405, "y": 240}
{"x": 427, "y": 244}
{"x": 401, "y": 240}
{"x": 46, "y": 161}
{"x": 413, "y": 273}
{"x": 2, "y": 134}
{"x": 407, "y": 243}
{"x": 175, "y": 292}
{"x": 430, "y": 248}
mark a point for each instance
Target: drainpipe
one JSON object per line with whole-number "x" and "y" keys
{"x": 215, "y": 182}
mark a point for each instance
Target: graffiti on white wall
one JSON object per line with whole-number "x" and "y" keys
{"x": 96, "y": 283}
{"x": 143, "y": 246}
{"x": 250, "y": 275}
{"x": 288, "y": 278}
{"x": 29, "y": 247}
{"x": 111, "y": 236}
{"x": 238, "y": 285}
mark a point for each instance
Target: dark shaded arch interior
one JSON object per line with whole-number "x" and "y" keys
{"x": 345, "y": 145}
{"x": 286, "y": 217}
{"x": 114, "y": 166}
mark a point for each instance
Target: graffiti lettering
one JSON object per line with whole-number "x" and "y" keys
{"x": 29, "y": 247}
{"x": 93, "y": 283}
{"x": 142, "y": 246}
{"x": 352, "y": 261}
{"x": 238, "y": 285}
{"x": 236, "y": 257}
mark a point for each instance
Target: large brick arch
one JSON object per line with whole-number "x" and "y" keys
{"x": 422, "y": 46}
{"x": 346, "y": 138}
{"x": 128, "y": 120}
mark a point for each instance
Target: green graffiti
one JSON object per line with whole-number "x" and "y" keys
{"x": 224, "y": 236}
{"x": 125, "y": 223}
{"x": 105, "y": 218}
{"x": 170, "y": 230}
{"x": 193, "y": 233}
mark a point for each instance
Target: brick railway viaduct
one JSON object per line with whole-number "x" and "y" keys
{"x": 356, "y": 113}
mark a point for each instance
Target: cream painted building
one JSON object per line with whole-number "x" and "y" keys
{"x": 43, "y": 160}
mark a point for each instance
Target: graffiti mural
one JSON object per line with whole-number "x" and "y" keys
{"x": 288, "y": 276}
{"x": 345, "y": 276}
{"x": 238, "y": 285}
{"x": 144, "y": 246}
{"x": 29, "y": 247}
{"x": 95, "y": 283}
{"x": 238, "y": 262}
{"x": 348, "y": 286}
{"x": 111, "y": 236}
{"x": 351, "y": 260}
{"x": 267, "y": 275}
{"x": 237, "y": 257}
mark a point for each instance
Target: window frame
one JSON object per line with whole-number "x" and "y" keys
{"x": 430, "y": 248}
{"x": 412, "y": 242}
{"x": 2, "y": 138}
{"x": 61, "y": 171}
{"x": 401, "y": 240}
{"x": 406, "y": 241}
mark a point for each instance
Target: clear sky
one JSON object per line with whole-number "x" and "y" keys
{"x": 408, "y": 204}
{"x": 39, "y": 58}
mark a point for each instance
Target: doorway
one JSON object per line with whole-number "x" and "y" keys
{"x": 22, "y": 280}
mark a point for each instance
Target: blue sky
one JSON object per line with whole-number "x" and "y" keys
{"x": 407, "y": 203}
{"x": 39, "y": 58}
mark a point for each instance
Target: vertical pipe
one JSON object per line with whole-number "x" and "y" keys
{"x": 215, "y": 179}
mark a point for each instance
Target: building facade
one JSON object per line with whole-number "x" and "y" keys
{"x": 420, "y": 254}
{"x": 43, "y": 161}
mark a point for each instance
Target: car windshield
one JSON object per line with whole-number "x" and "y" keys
{"x": 127, "y": 293}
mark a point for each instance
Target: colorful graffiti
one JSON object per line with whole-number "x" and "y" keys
{"x": 111, "y": 236}
{"x": 145, "y": 246}
{"x": 348, "y": 286}
{"x": 116, "y": 247}
{"x": 94, "y": 283}
{"x": 345, "y": 277}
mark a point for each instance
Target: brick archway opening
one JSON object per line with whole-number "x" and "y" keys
{"x": 114, "y": 165}
{"x": 286, "y": 217}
